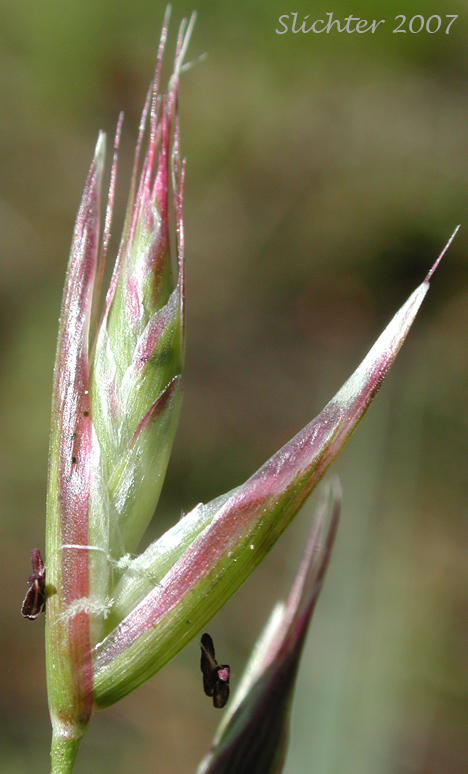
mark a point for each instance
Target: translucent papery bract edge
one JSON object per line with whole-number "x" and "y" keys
{"x": 149, "y": 568}
{"x": 73, "y": 508}
{"x": 253, "y": 735}
{"x": 138, "y": 478}
{"x": 241, "y": 532}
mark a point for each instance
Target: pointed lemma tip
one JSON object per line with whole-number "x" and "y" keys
{"x": 431, "y": 272}
{"x": 100, "y": 152}
{"x": 118, "y": 131}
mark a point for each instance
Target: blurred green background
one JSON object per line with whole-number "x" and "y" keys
{"x": 325, "y": 173}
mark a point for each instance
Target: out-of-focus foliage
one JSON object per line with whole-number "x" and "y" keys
{"x": 324, "y": 175}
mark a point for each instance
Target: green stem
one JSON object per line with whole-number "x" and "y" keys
{"x": 63, "y": 753}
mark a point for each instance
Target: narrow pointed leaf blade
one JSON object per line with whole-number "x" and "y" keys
{"x": 254, "y": 733}
{"x": 243, "y": 530}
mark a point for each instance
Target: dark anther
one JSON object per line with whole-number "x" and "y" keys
{"x": 215, "y": 677}
{"x": 34, "y": 601}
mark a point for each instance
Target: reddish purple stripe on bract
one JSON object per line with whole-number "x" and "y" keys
{"x": 72, "y": 412}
